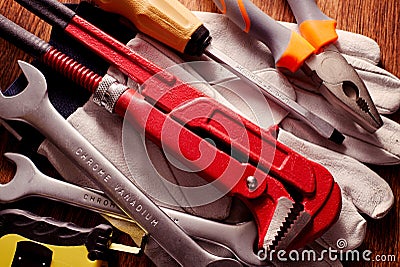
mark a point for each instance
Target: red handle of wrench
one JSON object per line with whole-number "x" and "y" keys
{"x": 252, "y": 143}
{"x": 167, "y": 92}
{"x": 324, "y": 205}
{"x": 160, "y": 126}
{"x": 170, "y": 95}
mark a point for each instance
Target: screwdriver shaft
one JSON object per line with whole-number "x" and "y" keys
{"x": 125, "y": 248}
{"x": 130, "y": 9}
{"x": 273, "y": 93}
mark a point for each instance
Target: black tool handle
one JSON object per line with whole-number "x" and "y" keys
{"x": 22, "y": 38}
{"x": 52, "y": 11}
{"x": 49, "y": 231}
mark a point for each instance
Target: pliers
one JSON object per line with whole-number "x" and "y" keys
{"x": 293, "y": 200}
{"x": 314, "y": 54}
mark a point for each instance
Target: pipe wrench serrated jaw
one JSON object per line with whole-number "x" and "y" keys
{"x": 284, "y": 192}
{"x": 317, "y": 214}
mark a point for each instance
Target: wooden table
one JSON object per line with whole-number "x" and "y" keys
{"x": 378, "y": 20}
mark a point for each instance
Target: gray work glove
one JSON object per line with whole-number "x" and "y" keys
{"x": 361, "y": 52}
{"x": 363, "y": 190}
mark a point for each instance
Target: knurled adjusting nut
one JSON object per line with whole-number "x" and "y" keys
{"x": 108, "y": 92}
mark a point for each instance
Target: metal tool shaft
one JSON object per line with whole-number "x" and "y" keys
{"x": 274, "y": 94}
{"x": 29, "y": 181}
{"x": 33, "y": 106}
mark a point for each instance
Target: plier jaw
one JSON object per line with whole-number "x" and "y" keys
{"x": 313, "y": 51}
{"x": 340, "y": 84}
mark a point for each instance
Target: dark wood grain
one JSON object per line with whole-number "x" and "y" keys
{"x": 378, "y": 20}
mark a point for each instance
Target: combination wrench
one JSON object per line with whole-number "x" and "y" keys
{"x": 33, "y": 106}
{"x": 29, "y": 181}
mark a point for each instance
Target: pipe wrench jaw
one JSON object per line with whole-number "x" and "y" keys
{"x": 322, "y": 220}
{"x": 340, "y": 84}
{"x": 278, "y": 216}
{"x": 320, "y": 212}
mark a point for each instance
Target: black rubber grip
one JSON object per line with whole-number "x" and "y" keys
{"x": 21, "y": 38}
{"x": 198, "y": 42}
{"x": 52, "y": 11}
{"x": 49, "y": 231}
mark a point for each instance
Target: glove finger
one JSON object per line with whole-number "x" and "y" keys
{"x": 349, "y": 229}
{"x": 358, "y": 46}
{"x": 352, "y": 44}
{"x": 351, "y": 146}
{"x": 360, "y": 185}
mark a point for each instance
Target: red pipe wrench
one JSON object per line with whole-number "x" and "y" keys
{"x": 293, "y": 200}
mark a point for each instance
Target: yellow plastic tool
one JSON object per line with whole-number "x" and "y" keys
{"x": 63, "y": 256}
{"x": 35, "y": 241}
{"x": 167, "y": 21}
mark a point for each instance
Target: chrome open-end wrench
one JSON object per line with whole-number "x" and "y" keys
{"x": 33, "y": 106}
{"x": 248, "y": 161}
{"x": 28, "y": 181}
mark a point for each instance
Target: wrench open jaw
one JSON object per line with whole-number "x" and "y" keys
{"x": 19, "y": 106}
{"x": 280, "y": 187}
{"x": 280, "y": 219}
{"x": 34, "y": 107}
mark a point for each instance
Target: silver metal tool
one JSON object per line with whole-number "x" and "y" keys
{"x": 315, "y": 54}
{"x": 33, "y": 106}
{"x": 29, "y": 181}
{"x": 187, "y": 34}
{"x": 271, "y": 92}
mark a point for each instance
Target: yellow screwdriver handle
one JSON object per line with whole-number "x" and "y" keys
{"x": 167, "y": 21}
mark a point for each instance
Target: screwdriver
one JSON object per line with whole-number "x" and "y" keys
{"x": 173, "y": 24}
